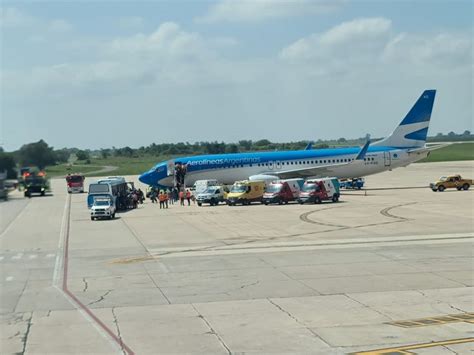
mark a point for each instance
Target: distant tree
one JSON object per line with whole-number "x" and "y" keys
{"x": 341, "y": 140}
{"x": 38, "y": 154}
{"x": 245, "y": 144}
{"x": 105, "y": 153}
{"x": 439, "y": 135}
{"x": 262, "y": 143}
{"x": 321, "y": 146}
{"x": 451, "y": 134}
{"x": 232, "y": 148}
{"x": 466, "y": 133}
{"x": 82, "y": 155}
{"x": 7, "y": 163}
{"x": 62, "y": 155}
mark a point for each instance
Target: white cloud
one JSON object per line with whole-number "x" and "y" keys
{"x": 371, "y": 43}
{"x": 11, "y": 17}
{"x": 261, "y": 10}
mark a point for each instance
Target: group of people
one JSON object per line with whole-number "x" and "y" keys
{"x": 130, "y": 199}
{"x": 166, "y": 197}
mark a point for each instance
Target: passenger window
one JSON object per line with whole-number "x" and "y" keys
{"x": 218, "y": 191}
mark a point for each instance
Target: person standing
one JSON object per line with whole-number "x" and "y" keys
{"x": 161, "y": 197}
{"x": 165, "y": 198}
{"x": 188, "y": 197}
{"x": 181, "y": 197}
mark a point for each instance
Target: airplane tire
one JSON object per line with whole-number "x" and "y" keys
{"x": 465, "y": 187}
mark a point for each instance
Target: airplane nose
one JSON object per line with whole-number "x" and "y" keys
{"x": 148, "y": 178}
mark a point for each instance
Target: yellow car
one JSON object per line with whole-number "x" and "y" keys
{"x": 454, "y": 181}
{"x": 246, "y": 192}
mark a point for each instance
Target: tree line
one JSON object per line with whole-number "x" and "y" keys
{"x": 41, "y": 155}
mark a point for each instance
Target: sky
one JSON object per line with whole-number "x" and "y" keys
{"x": 101, "y": 74}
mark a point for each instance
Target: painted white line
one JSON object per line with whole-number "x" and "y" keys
{"x": 17, "y": 256}
{"x": 1, "y": 258}
{"x": 50, "y": 255}
{"x": 9, "y": 278}
{"x": 32, "y": 256}
{"x": 57, "y": 275}
{"x": 14, "y": 220}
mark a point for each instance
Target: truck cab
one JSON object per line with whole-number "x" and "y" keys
{"x": 212, "y": 195}
{"x": 75, "y": 183}
{"x": 316, "y": 191}
{"x": 245, "y": 192}
{"x": 103, "y": 208}
{"x": 35, "y": 183}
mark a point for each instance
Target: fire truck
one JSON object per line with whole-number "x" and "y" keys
{"x": 75, "y": 183}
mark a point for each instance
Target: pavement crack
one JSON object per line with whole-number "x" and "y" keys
{"x": 24, "y": 339}
{"x": 118, "y": 331}
{"x": 368, "y": 307}
{"x": 100, "y": 299}
{"x": 212, "y": 331}
{"x": 85, "y": 284}
{"x": 450, "y": 350}
{"x": 48, "y": 314}
{"x": 251, "y": 284}
{"x": 299, "y": 322}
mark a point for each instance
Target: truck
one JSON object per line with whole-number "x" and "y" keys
{"x": 282, "y": 191}
{"x": 75, "y": 183}
{"x": 318, "y": 190}
{"x": 103, "y": 208}
{"x": 245, "y": 192}
{"x": 201, "y": 185}
{"x": 114, "y": 187}
{"x": 449, "y": 182}
{"x": 355, "y": 183}
{"x": 35, "y": 182}
{"x": 212, "y": 195}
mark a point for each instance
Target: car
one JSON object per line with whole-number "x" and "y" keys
{"x": 212, "y": 195}
{"x": 449, "y": 182}
{"x": 103, "y": 208}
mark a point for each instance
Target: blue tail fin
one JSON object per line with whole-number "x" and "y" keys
{"x": 413, "y": 129}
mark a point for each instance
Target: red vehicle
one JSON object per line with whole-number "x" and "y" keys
{"x": 319, "y": 190}
{"x": 75, "y": 183}
{"x": 282, "y": 191}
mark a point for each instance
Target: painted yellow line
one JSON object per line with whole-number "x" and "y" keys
{"x": 404, "y": 348}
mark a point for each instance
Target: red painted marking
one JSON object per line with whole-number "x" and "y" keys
{"x": 79, "y": 303}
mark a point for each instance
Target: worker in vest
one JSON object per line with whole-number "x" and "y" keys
{"x": 181, "y": 197}
{"x": 161, "y": 197}
{"x": 165, "y": 198}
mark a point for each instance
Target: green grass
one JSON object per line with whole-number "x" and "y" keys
{"x": 64, "y": 169}
{"x": 457, "y": 151}
{"x": 128, "y": 166}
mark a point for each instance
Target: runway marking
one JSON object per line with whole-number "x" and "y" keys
{"x": 9, "y": 278}
{"x": 423, "y": 322}
{"x": 17, "y": 256}
{"x": 50, "y": 255}
{"x": 62, "y": 263}
{"x": 32, "y": 256}
{"x": 239, "y": 248}
{"x": 404, "y": 348}
{"x": 1, "y": 258}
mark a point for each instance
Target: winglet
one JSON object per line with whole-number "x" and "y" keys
{"x": 309, "y": 146}
{"x": 363, "y": 151}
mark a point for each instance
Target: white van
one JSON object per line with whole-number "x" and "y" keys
{"x": 201, "y": 185}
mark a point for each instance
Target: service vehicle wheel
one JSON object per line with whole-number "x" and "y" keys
{"x": 42, "y": 193}
{"x": 335, "y": 198}
{"x": 434, "y": 190}
{"x": 317, "y": 200}
{"x": 213, "y": 202}
{"x": 92, "y": 218}
{"x": 266, "y": 203}
{"x": 301, "y": 202}
{"x": 280, "y": 201}
{"x": 441, "y": 188}
{"x": 113, "y": 216}
{"x": 459, "y": 188}
{"x": 199, "y": 204}
{"x": 465, "y": 186}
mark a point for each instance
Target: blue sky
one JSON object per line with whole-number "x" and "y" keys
{"x": 94, "y": 74}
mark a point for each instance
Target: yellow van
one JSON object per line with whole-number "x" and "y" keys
{"x": 246, "y": 192}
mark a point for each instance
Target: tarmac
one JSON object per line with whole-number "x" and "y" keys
{"x": 388, "y": 269}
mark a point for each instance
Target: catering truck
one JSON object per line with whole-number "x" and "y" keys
{"x": 75, "y": 183}
{"x": 318, "y": 190}
{"x": 282, "y": 191}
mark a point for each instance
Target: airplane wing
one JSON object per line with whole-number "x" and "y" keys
{"x": 323, "y": 170}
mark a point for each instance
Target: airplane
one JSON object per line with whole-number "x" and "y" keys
{"x": 405, "y": 145}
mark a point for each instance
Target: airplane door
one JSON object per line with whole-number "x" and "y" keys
{"x": 170, "y": 168}
{"x": 387, "y": 158}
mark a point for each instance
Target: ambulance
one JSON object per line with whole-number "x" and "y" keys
{"x": 283, "y": 191}
{"x": 318, "y": 190}
{"x": 245, "y": 192}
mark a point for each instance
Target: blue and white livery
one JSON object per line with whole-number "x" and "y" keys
{"x": 405, "y": 145}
